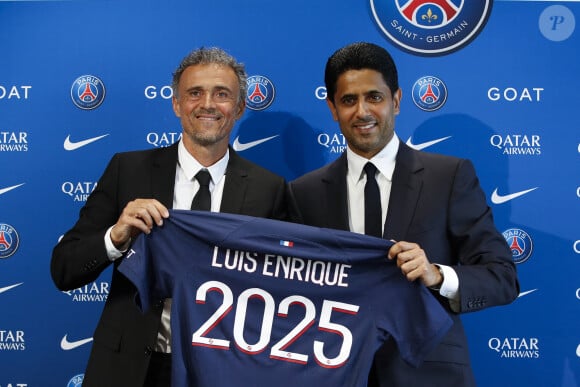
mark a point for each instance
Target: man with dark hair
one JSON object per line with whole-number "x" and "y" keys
{"x": 432, "y": 205}
{"x": 133, "y": 196}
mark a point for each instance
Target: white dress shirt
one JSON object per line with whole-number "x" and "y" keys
{"x": 384, "y": 161}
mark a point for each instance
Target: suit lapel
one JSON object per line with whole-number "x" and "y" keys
{"x": 163, "y": 176}
{"x": 235, "y": 185}
{"x": 336, "y": 194}
{"x": 405, "y": 191}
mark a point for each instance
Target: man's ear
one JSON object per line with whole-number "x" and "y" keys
{"x": 241, "y": 108}
{"x": 332, "y": 108}
{"x": 397, "y": 96}
{"x": 176, "y": 108}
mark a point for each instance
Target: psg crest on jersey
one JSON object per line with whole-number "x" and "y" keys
{"x": 431, "y": 27}
{"x": 260, "y": 92}
{"x": 9, "y": 240}
{"x": 87, "y": 92}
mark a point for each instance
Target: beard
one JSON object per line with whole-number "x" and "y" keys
{"x": 207, "y": 139}
{"x": 206, "y": 133}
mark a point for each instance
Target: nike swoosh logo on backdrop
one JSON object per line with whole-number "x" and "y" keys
{"x": 526, "y": 293}
{"x": 499, "y": 199}
{"x": 73, "y": 145}
{"x": 68, "y": 345}
{"x": 427, "y": 144}
{"x": 239, "y": 147}
{"x": 4, "y": 190}
{"x": 7, "y": 288}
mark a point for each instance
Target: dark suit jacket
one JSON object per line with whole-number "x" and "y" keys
{"x": 124, "y": 337}
{"x": 436, "y": 201}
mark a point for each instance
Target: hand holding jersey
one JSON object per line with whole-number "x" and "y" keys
{"x": 139, "y": 215}
{"x": 414, "y": 264}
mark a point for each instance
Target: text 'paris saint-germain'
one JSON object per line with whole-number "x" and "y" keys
{"x": 321, "y": 273}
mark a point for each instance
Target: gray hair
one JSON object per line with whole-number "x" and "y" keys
{"x": 211, "y": 55}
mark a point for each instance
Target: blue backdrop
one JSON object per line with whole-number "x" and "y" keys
{"x": 495, "y": 82}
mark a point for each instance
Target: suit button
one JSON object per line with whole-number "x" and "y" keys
{"x": 148, "y": 350}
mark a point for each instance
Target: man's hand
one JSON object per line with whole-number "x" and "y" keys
{"x": 413, "y": 262}
{"x": 138, "y": 216}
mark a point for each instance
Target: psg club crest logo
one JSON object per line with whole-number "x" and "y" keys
{"x": 431, "y": 27}
{"x": 76, "y": 381}
{"x": 260, "y": 92}
{"x": 87, "y": 92}
{"x": 9, "y": 240}
{"x": 429, "y": 93}
{"x": 520, "y": 244}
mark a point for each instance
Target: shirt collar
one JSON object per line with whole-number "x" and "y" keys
{"x": 384, "y": 161}
{"x": 191, "y": 166}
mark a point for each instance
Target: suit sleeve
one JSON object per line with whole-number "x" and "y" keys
{"x": 80, "y": 256}
{"x": 486, "y": 271}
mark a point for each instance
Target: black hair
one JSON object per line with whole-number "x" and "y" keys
{"x": 359, "y": 56}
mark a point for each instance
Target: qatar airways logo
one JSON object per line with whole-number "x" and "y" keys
{"x": 334, "y": 143}
{"x": 12, "y": 341}
{"x": 13, "y": 141}
{"x": 78, "y": 191}
{"x": 162, "y": 139}
{"x": 93, "y": 292}
{"x": 517, "y": 144}
{"x": 515, "y": 347}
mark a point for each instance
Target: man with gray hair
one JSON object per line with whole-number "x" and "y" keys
{"x": 199, "y": 172}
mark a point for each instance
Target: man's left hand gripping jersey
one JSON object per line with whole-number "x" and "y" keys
{"x": 259, "y": 302}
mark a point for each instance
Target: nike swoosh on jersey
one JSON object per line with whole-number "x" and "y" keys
{"x": 578, "y": 350}
{"x": 68, "y": 345}
{"x": 70, "y": 145}
{"x": 7, "y": 288}
{"x": 239, "y": 147}
{"x": 499, "y": 199}
{"x": 427, "y": 144}
{"x": 4, "y": 190}
{"x": 526, "y": 293}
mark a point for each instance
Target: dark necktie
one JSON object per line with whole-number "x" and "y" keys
{"x": 373, "y": 213}
{"x": 202, "y": 199}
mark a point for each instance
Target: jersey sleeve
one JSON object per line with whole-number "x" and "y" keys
{"x": 137, "y": 267}
{"x": 415, "y": 320}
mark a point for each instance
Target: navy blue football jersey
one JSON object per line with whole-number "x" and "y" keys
{"x": 260, "y": 302}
